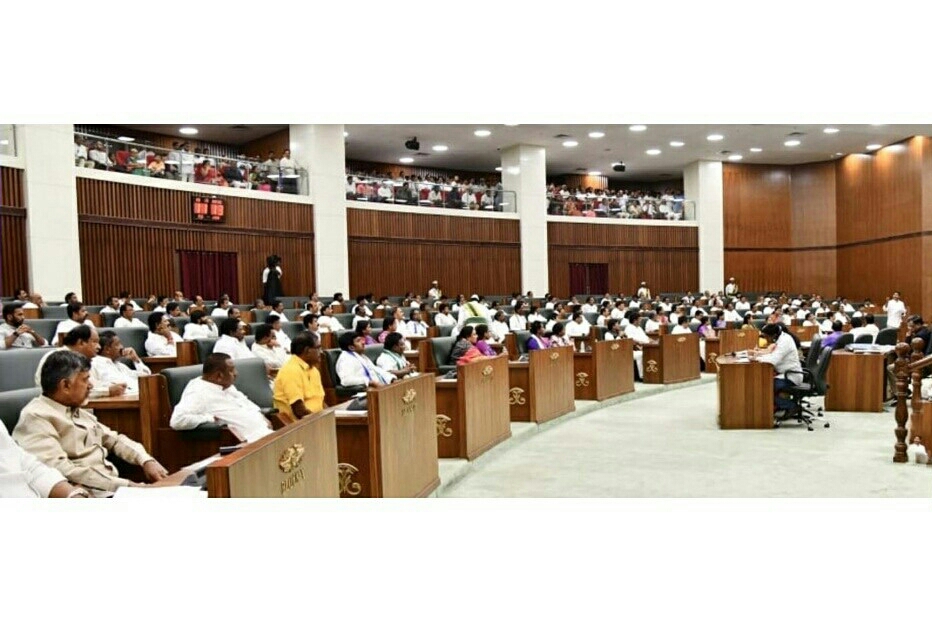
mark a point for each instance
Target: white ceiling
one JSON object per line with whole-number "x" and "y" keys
{"x": 385, "y": 143}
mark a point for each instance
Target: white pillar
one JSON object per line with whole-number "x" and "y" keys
{"x": 51, "y": 209}
{"x": 321, "y": 150}
{"x": 524, "y": 171}
{"x": 702, "y": 181}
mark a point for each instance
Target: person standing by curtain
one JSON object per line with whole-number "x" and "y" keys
{"x": 272, "y": 279}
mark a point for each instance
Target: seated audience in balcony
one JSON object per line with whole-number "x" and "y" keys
{"x": 99, "y": 156}
{"x": 157, "y": 167}
{"x": 80, "y": 154}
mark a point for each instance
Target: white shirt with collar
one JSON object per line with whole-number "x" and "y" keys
{"x": 517, "y": 323}
{"x": 65, "y": 326}
{"x": 220, "y": 312}
{"x": 158, "y": 346}
{"x": 499, "y": 330}
{"x": 123, "y": 323}
{"x": 275, "y": 357}
{"x": 283, "y": 340}
{"x": 577, "y": 329}
{"x": 203, "y": 401}
{"x": 233, "y": 347}
{"x": 742, "y": 306}
{"x": 329, "y": 324}
{"x": 131, "y": 302}
{"x": 194, "y": 331}
{"x": 637, "y": 334}
{"x": 356, "y": 369}
{"x": 732, "y": 316}
{"x": 25, "y": 340}
{"x": 416, "y": 328}
{"x": 109, "y": 310}
{"x": 785, "y": 359}
{"x": 651, "y": 326}
{"x": 444, "y": 320}
{"x": 680, "y": 330}
{"x": 106, "y": 372}
{"x": 22, "y": 475}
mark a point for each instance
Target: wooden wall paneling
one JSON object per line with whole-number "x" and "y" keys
{"x": 277, "y": 142}
{"x": 761, "y": 270}
{"x": 117, "y": 221}
{"x": 814, "y": 271}
{"x": 813, "y": 205}
{"x": 875, "y": 270}
{"x": 11, "y": 188}
{"x": 14, "y": 268}
{"x": 757, "y": 207}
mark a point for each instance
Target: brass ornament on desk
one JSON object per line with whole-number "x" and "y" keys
{"x": 347, "y": 486}
{"x": 582, "y": 380}
{"x": 516, "y": 396}
{"x": 291, "y": 458}
{"x": 443, "y": 428}
{"x": 680, "y": 340}
{"x": 409, "y": 396}
{"x": 652, "y": 366}
{"x": 554, "y": 356}
{"x": 487, "y": 371}
{"x": 615, "y": 346}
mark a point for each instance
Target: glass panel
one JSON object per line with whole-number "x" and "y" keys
{"x": 431, "y": 194}
{"x": 7, "y": 141}
{"x": 108, "y": 154}
{"x": 668, "y": 206}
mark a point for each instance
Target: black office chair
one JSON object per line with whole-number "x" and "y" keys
{"x": 843, "y": 341}
{"x": 864, "y": 338}
{"x": 813, "y": 385}
{"x": 887, "y": 337}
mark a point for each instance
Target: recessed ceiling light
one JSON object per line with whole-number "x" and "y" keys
{"x": 4, "y": 142}
{"x": 440, "y": 148}
{"x": 596, "y": 134}
{"x": 187, "y": 131}
{"x": 652, "y": 152}
{"x": 873, "y": 146}
{"x": 676, "y": 143}
{"x": 595, "y": 173}
{"x": 714, "y": 137}
{"x": 498, "y": 168}
{"x": 838, "y": 153}
{"x": 345, "y": 133}
{"x": 831, "y": 130}
{"x": 735, "y": 157}
{"x": 125, "y": 139}
{"x": 791, "y": 143}
{"x": 570, "y": 143}
{"x": 482, "y": 133}
{"x": 615, "y": 164}
{"x": 637, "y": 128}
{"x": 756, "y": 149}
{"x": 406, "y": 160}
{"x": 511, "y": 125}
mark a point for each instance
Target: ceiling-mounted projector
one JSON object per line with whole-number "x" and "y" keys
{"x": 412, "y": 144}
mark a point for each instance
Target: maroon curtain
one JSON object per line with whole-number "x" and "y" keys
{"x": 588, "y": 279}
{"x": 579, "y": 279}
{"x": 209, "y": 274}
{"x": 598, "y": 278}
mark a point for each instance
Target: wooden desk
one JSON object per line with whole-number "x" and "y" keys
{"x": 476, "y": 404}
{"x": 674, "y": 359}
{"x": 745, "y": 394}
{"x": 31, "y": 313}
{"x": 391, "y": 450}
{"x": 122, "y": 414}
{"x": 856, "y": 382}
{"x": 804, "y": 334}
{"x": 298, "y": 461}
{"x": 186, "y": 356}
{"x": 605, "y": 371}
{"x": 541, "y": 388}
{"x": 728, "y": 341}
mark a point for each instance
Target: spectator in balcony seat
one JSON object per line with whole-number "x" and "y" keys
{"x": 188, "y": 160}
{"x": 270, "y": 164}
{"x": 287, "y": 163}
{"x": 469, "y": 200}
{"x": 435, "y": 197}
{"x": 350, "y": 187}
{"x": 80, "y": 154}
{"x": 101, "y": 159}
{"x": 157, "y": 167}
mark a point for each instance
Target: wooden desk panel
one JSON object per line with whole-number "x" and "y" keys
{"x": 856, "y": 382}
{"x": 298, "y": 461}
{"x": 804, "y": 334}
{"x": 673, "y": 360}
{"x": 186, "y": 356}
{"x": 713, "y": 348}
{"x": 605, "y": 371}
{"x": 729, "y": 341}
{"x": 123, "y": 415}
{"x": 541, "y": 389}
{"x": 745, "y": 394}
{"x": 476, "y": 404}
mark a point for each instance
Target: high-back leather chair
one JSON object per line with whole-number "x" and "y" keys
{"x": 843, "y": 341}
{"x": 44, "y": 327}
{"x": 446, "y": 330}
{"x": 521, "y": 338}
{"x": 134, "y": 337}
{"x": 18, "y": 367}
{"x": 887, "y": 337}
{"x": 205, "y": 346}
{"x": 332, "y": 379}
{"x": 373, "y": 351}
{"x": 442, "y": 347}
{"x": 55, "y": 312}
{"x": 864, "y": 338}
{"x": 12, "y": 403}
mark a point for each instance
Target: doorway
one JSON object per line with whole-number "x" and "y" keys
{"x": 209, "y": 273}
{"x": 588, "y": 279}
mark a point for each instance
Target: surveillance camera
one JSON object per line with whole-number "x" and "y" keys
{"x": 412, "y": 144}
{"x": 619, "y": 168}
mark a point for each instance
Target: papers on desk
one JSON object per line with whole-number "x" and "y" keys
{"x": 125, "y": 493}
{"x": 346, "y": 413}
{"x": 200, "y": 466}
{"x": 805, "y": 344}
{"x": 870, "y": 348}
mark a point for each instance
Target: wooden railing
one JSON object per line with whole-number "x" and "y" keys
{"x": 908, "y": 369}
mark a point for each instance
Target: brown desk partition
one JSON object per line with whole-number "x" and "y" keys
{"x": 855, "y": 382}
{"x": 186, "y": 355}
{"x": 674, "y": 359}
{"x": 541, "y": 388}
{"x": 391, "y": 450}
{"x": 745, "y": 394}
{"x": 31, "y": 313}
{"x": 122, "y": 414}
{"x": 605, "y": 371}
{"x": 298, "y": 461}
{"x": 729, "y": 341}
{"x": 804, "y": 334}
{"x": 474, "y": 409}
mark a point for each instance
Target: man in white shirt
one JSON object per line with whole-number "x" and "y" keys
{"x": 577, "y": 327}
{"x": 434, "y": 292}
{"x": 731, "y": 315}
{"x": 213, "y": 398}
{"x": 161, "y": 341}
{"x": 107, "y": 369}
{"x": 287, "y": 164}
{"x": 126, "y": 318}
{"x": 415, "y": 326}
{"x": 443, "y": 318}
{"x": 518, "y": 321}
{"x": 201, "y": 326}
{"x": 869, "y": 326}
{"x": 275, "y": 321}
{"x": 14, "y": 332}
{"x": 857, "y": 328}
{"x": 232, "y": 340}
{"x": 112, "y": 306}
{"x": 223, "y": 307}
{"x": 731, "y": 288}
{"x": 473, "y": 309}
{"x": 682, "y": 326}
{"x": 635, "y": 332}
{"x": 362, "y": 303}
{"x": 785, "y": 360}
{"x": 354, "y": 368}
{"x": 22, "y": 475}
{"x": 329, "y": 324}
{"x": 589, "y": 306}
{"x": 643, "y": 292}
{"x": 895, "y": 309}
{"x": 126, "y": 297}
{"x": 652, "y": 326}
{"x": 98, "y": 155}
{"x": 742, "y": 306}
{"x": 77, "y": 315}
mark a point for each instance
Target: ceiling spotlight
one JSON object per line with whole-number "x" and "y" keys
{"x": 482, "y": 133}
{"x": 874, "y": 146}
{"x": 676, "y": 143}
{"x": 510, "y": 125}
{"x": 831, "y": 130}
{"x": 838, "y": 153}
{"x": 637, "y": 128}
{"x": 187, "y": 131}
{"x": 735, "y": 157}
{"x": 406, "y": 160}
{"x": 498, "y": 169}
{"x": 570, "y": 143}
{"x": 756, "y": 149}
{"x": 714, "y": 137}
{"x": 345, "y": 133}
{"x": 126, "y": 139}
{"x": 5, "y": 142}
{"x": 652, "y": 152}
{"x": 596, "y": 134}
{"x": 440, "y": 148}
{"x": 791, "y": 143}
{"x": 595, "y": 173}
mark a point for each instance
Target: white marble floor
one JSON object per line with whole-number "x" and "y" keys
{"x": 669, "y": 445}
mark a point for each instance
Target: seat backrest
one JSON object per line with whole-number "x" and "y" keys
{"x": 549, "y": 314}
{"x": 345, "y": 319}
{"x": 376, "y": 323}
{"x": 446, "y": 330}
{"x": 205, "y": 346}
{"x": 177, "y": 379}
{"x": 887, "y": 337}
{"x": 44, "y": 327}
{"x": 476, "y": 320}
{"x": 180, "y": 323}
{"x": 821, "y": 371}
{"x": 373, "y": 351}
{"x": 442, "y": 347}
{"x": 12, "y": 403}
{"x": 864, "y": 338}
{"x": 591, "y": 318}
{"x": 253, "y": 380}
{"x": 108, "y": 318}
{"x": 57, "y": 312}
{"x": 18, "y": 367}
{"x": 292, "y": 314}
{"x": 330, "y": 359}
{"x": 843, "y": 341}
{"x": 815, "y": 349}
{"x": 521, "y": 338}
{"x": 292, "y": 329}
{"x": 602, "y": 331}
{"x": 134, "y": 337}
{"x": 260, "y": 316}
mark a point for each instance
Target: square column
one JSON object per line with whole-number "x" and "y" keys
{"x": 524, "y": 171}
{"x": 321, "y": 150}
{"x": 51, "y": 197}
{"x": 702, "y": 181}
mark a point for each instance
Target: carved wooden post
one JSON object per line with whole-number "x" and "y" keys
{"x": 919, "y": 346}
{"x": 902, "y": 374}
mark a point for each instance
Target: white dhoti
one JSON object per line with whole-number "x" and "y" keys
{"x": 639, "y": 362}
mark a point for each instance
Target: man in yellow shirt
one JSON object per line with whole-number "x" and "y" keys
{"x": 298, "y": 390}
